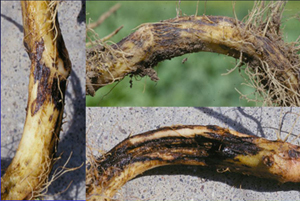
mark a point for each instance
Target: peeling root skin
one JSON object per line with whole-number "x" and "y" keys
{"x": 50, "y": 68}
{"x": 210, "y": 146}
{"x": 151, "y": 43}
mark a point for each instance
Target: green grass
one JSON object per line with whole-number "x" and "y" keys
{"x": 197, "y": 82}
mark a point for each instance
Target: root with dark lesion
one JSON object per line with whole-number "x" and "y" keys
{"x": 210, "y": 146}
{"x": 27, "y": 177}
{"x": 273, "y": 65}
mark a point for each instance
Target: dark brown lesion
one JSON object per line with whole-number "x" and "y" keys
{"x": 57, "y": 91}
{"x": 50, "y": 87}
{"x": 212, "y": 149}
{"x": 36, "y": 58}
{"x": 42, "y": 76}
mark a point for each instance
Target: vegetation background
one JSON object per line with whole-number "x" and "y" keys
{"x": 198, "y": 81}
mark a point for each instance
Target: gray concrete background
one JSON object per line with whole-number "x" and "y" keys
{"x": 15, "y": 68}
{"x": 106, "y": 127}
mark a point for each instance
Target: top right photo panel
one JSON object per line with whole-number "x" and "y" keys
{"x": 189, "y": 53}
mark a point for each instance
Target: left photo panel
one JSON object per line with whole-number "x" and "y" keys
{"x": 43, "y": 100}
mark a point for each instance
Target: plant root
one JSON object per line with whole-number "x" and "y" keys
{"x": 28, "y": 172}
{"x": 211, "y": 146}
{"x": 273, "y": 66}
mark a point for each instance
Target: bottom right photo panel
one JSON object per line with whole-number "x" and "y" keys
{"x": 192, "y": 153}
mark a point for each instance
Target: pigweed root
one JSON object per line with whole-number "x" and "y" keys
{"x": 271, "y": 64}
{"x": 27, "y": 175}
{"x": 211, "y": 146}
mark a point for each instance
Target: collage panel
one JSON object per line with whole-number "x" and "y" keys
{"x": 189, "y": 53}
{"x": 220, "y": 164}
{"x": 66, "y": 181}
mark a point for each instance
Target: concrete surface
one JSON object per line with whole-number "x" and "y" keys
{"x": 106, "y": 127}
{"x": 15, "y": 66}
